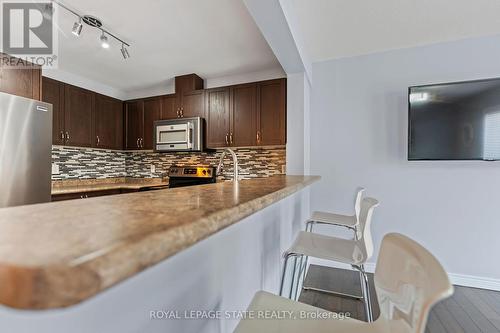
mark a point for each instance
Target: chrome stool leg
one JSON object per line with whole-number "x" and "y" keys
{"x": 365, "y": 287}
{"x": 283, "y": 275}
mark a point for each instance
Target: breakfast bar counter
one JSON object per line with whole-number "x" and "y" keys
{"x": 55, "y": 255}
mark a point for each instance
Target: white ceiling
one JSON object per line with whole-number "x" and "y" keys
{"x": 214, "y": 38}
{"x": 329, "y": 29}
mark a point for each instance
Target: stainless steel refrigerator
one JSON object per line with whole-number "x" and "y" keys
{"x": 25, "y": 151}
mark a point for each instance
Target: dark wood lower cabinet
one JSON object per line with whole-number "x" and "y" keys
{"x": 85, "y": 195}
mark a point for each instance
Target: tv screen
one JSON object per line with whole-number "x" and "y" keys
{"x": 455, "y": 121}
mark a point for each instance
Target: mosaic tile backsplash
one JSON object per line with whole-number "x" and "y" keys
{"x": 87, "y": 163}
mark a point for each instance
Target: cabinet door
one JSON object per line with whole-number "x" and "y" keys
{"x": 187, "y": 83}
{"x": 53, "y": 93}
{"x": 108, "y": 123}
{"x": 243, "y": 114}
{"x": 193, "y": 104}
{"x": 78, "y": 116}
{"x": 168, "y": 107}
{"x": 134, "y": 119}
{"x": 218, "y": 117}
{"x": 19, "y": 77}
{"x": 152, "y": 110}
{"x": 271, "y": 112}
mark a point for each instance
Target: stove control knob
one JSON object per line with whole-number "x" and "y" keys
{"x": 204, "y": 172}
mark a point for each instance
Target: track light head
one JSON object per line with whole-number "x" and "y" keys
{"x": 125, "y": 53}
{"x": 104, "y": 41}
{"x": 77, "y": 28}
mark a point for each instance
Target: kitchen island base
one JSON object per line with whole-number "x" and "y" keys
{"x": 217, "y": 277}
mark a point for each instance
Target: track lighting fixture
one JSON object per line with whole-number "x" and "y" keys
{"x": 95, "y": 23}
{"x": 125, "y": 53}
{"x": 77, "y": 27}
{"x": 104, "y": 41}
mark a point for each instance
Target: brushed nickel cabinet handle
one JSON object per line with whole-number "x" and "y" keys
{"x": 231, "y": 138}
{"x": 142, "y": 143}
{"x": 182, "y": 112}
{"x": 258, "y": 136}
{"x": 178, "y": 113}
{"x": 227, "y": 140}
{"x": 67, "y": 136}
{"x": 137, "y": 143}
{"x": 98, "y": 141}
{"x": 62, "y": 136}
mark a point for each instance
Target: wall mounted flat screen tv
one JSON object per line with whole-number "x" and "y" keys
{"x": 455, "y": 121}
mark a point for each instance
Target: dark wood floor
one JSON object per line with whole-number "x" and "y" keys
{"x": 469, "y": 310}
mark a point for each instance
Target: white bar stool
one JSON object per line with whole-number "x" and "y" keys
{"x": 354, "y": 252}
{"x": 408, "y": 281}
{"x": 347, "y": 221}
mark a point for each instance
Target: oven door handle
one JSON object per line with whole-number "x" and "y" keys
{"x": 190, "y": 135}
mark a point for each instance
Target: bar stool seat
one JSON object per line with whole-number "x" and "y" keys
{"x": 346, "y": 221}
{"x": 264, "y": 301}
{"x": 335, "y": 219}
{"x": 341, "y": 250}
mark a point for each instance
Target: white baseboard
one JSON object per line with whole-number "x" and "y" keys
{"x": 456, "y": 279}
{"x": 474, "y": 281}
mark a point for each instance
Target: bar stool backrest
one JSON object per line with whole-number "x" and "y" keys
{"x": 357, "y": 202}
{"x": 363, "y": 233}
{"x": 409, "y": 281}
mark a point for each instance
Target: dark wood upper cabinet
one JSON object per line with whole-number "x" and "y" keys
{"x": 192, "y": 104}
{"x": 189, "y": 82}
{"x": 21, "y": 78}
{"x": 108, "y": 122}
{"x": 53, "y": 93}
{"x": 244, "y": 115}
{"x": 152, "y": 111}
{"x": 78, "y": 116}
{"x": 218, "y": 117}
{"x": 271, "y": 106}
{"x": 169, "y": 107}
{"x": 134, "y": 124}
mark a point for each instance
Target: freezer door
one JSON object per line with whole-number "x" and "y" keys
{"x": 25, "y": 151}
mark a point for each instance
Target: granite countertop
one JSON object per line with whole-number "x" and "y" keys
{"x": 93, "y": 185}
{"x": 53, "y": 255}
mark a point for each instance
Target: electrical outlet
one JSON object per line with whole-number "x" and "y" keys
{"x": 153, "y": 168}
{"x": 55, "y": 169}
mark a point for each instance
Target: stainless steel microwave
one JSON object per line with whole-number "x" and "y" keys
{"x": 182, "y": 134}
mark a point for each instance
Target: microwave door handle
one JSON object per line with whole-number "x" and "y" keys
{"x": 190, "y": 136}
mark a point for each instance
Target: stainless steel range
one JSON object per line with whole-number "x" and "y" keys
{"x": 180, "y": 176}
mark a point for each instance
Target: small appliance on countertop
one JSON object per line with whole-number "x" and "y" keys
{"x": 180, "y": 176}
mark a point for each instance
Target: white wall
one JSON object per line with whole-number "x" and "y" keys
{"x": 83, "y": 82}
{"x": 359, "y": 137}
{"x": 298, "y": 102}
{"x": 165, "y": 88}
